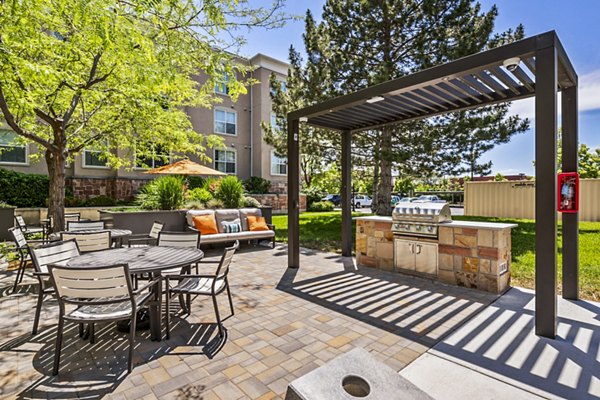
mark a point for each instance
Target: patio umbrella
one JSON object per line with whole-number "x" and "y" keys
{"x": 185, "y": 167}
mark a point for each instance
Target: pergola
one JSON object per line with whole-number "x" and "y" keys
{"x": 478, "y": 80}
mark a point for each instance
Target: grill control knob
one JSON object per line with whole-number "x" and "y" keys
{"x": 418, "y": 227}
{"x": 430, "y": 228}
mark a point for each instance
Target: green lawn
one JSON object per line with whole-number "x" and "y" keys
{"x": 322, "y": 231}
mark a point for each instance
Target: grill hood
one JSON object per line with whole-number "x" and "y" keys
{"x": 433, "y": 213}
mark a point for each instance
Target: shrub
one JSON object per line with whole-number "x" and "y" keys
{"x": 320, "y": 206}
{"x": 230, "y": 192}
{"x": 195, "y": 205}
{"x": 100, "y": 201}
{"x": 5, "y": 205}
{"x": 199, "y": 194}
{"x": 23, "y": 190}
{"x": 257, "y": 185}
{"x": 164, "y": 193}
{"x": 215, "y": 203}
{"x": 212, "y": 185}
{"x": 251, "y": 202}
{"x": 313, "y": 195}
{"x": 196, "y": 182}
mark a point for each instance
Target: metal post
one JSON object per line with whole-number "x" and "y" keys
{"x": 293, "y": 147}
{"x": 346, "y": 194}
{"x": 545, "y": 191}
{"x": 570, "y": 222}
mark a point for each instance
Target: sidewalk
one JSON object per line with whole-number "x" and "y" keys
{"x": 496, "y": 355}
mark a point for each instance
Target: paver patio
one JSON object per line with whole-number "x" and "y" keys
{"x": 287, "y": 323}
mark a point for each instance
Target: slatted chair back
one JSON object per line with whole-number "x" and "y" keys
{"x": 20, "y": 222}
{"x": 18, "y": 237}
{"x": 157, "y": 226}
{"x": 179, "y": 239}
{"x": 110, "y": 284}
{"x": 72, "y": 217}
{"x": 223, "y": 268}
{"x": 89, "y": 241}
{"x": 75, "y": 226}
{"x": 53, "y": 253}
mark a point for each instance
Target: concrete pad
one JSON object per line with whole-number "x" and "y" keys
{"x": 445, "y": 380}
{"x": 500, "y": 343}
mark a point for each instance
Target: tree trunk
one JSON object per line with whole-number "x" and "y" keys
{"x": 375, "y": 172}
{"x": 56, "y": 194}
{"x": 384, "y": 190}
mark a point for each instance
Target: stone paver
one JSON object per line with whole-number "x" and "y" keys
{"x": 287, "y": 323}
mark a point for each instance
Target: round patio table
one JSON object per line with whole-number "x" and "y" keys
{"x": 152, "y": 260}
{"x": 116, "y": 235}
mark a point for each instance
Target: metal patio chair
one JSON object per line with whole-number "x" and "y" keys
{"x": 22, "y": 248}
{"x": 52, "y": 253}
{"x": 179, "y": 239}
{"x": 75, "y": 226}
{"x": 28, "y": 230}
{"x": 102, "y": 294}
{"x": 89, "y": 241}
{"x": 203, "y": 285}
{"x": 147, "y": 239}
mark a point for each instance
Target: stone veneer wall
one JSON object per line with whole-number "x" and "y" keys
{"x": 375, "y": 244}
{"x": 475, "y": 258}
{"x": 279, "y": 187}
{"x": 278, "y": 202}
{"x": 116, "y": 188}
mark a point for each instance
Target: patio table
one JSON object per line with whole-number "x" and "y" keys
{"x": 151, "y": 260}
{"x": 116, "y": 235}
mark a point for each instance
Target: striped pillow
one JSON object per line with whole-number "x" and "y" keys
{"x": 234, "y": 226}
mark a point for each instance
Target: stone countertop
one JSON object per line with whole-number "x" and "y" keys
{"x": 453, "y": 224}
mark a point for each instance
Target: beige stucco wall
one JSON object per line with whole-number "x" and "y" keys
{"x": 517, "y": 199}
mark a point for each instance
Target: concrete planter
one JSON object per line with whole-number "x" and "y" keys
{"x": 7, "y": 221}
{"x": 141, "y": 221}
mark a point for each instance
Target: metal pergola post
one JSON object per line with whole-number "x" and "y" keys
{"x": 570, "y": 222}
{"x": 545, "y": 191}
{"x": 293, "y": 147}
{"x": 346, "y": 194}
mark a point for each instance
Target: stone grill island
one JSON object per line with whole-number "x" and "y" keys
{"x": 471, "y": 254}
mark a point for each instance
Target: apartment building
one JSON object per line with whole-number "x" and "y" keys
{"x": 239, "y": 124}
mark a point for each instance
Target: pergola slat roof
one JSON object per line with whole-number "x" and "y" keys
{"x": 473, "y": 81}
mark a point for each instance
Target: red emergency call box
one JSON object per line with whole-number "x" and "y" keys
{"x": 568, "y": 192}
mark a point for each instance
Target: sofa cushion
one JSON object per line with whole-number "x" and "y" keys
{"x": 226, "y": 215}
{"x": 257, "y": 224}
{"x": 206, "y": 224}
{"x": 245, "y": 212}
{"x": 234, "y": 226}
{"x": 189, "y": 216}
{"x": 224, "y": 237}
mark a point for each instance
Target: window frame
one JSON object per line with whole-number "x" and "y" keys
{"x": 215, "y": 121}
{"x": 139, "y": 168}
{"x": 277, "y": 164}
{"x": 223, "y": 80}
{"x": 84, "y": 165}
{"x": 234, "y": 151}
{"x": 24, "y": 146}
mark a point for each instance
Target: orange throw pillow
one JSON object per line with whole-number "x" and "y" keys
{"x": 206, "y": 224}
{"x": 257, "y": 223}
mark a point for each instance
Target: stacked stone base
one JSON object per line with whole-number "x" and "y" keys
{"x": 116, "y": 188}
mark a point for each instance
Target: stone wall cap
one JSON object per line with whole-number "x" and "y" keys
{"x": 478, "y": 225}
{"x": 377, "y": 218}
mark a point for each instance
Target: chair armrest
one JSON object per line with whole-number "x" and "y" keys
{"x": 140, "y": 240}
{"x": 180, "y": 277}
{"x": 271, "y": 227}
{"x": 139, "y": 236}
{"x": 147, "y": 285}
{"x": 191, "y": 228}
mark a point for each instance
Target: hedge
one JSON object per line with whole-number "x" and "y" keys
{"x": 23, "y": 190}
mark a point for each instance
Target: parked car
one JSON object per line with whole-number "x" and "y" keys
{"x": 336, "y": 199}
{"x": 362, "y": 200}
{"x": 407, "y": 199}
{"x": 428, "y": 199}
{"x": 395, "y": 199}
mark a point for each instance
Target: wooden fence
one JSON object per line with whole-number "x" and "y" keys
{"x": 516, "y": 199}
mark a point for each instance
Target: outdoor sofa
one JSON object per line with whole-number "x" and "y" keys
{"x": 228, "y": 216}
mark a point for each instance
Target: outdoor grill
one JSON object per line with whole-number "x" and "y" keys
{"x": 419, "y": 219}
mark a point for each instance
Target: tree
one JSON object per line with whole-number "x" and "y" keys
{"x": 362, "y": 43}
{"x": 114, "y": 74}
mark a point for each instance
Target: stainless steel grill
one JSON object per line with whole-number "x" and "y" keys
{"x": 419, "y": 219}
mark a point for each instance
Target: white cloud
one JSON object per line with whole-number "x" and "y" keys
{"x": 589, "y": 97}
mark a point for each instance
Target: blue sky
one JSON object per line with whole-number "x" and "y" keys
{"x": 576, "y": 23}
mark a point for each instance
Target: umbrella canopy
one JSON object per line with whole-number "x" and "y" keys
{"x": 185, "y": 167}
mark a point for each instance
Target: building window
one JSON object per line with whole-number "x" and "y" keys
{"x": 158, "y": 157}
{"x": 93, "y": 158}
{"x": 225, "y": 122}
{"x": 10, "y": 152}
{"x": 278, "y": 164}
{"x": 225, "y": 161}
{"x": 222, "y": 84}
